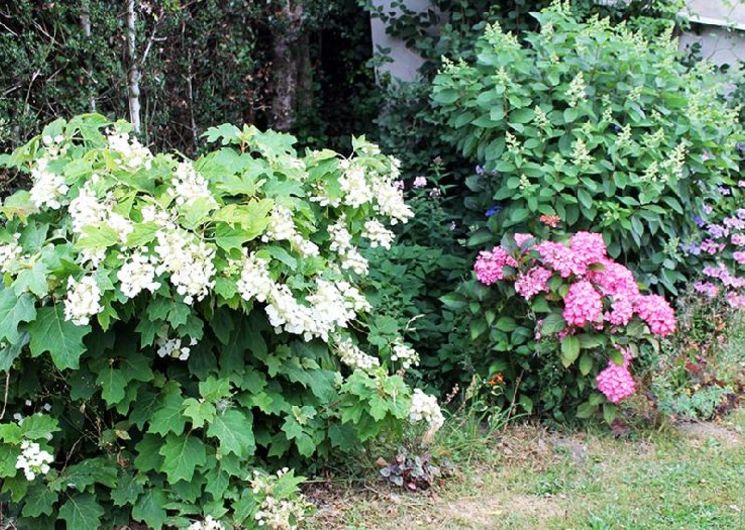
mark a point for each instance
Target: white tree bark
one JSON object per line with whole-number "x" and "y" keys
{"x": 85, "y": 22}
{"x": 133, "y": 77}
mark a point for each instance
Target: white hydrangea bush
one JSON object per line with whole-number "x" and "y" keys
{"x": 190, "y": 321}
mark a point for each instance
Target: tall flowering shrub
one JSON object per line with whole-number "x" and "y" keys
{"x": 168, "y": 325}
{"x": 597, "y": 125}
{"x": 569, "y": 301}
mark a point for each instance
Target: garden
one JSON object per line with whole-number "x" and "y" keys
{"x": 252, "y": 280}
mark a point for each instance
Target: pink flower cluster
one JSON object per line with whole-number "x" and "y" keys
{"x": 533, "y": 282}
{"x": 489, "y": 266}
{"x": 583, "y": 304}
{"x": 615, "y": 381}
{"x": 602, "y": 294}
{"x": 596, "y": 281}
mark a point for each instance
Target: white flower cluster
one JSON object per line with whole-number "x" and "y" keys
{"x": 378, "y": 234}
{"x": 10, "y": 253}
{"x": 83, "y": 300}
{"x": 121, "y": 225}
{"x": 55, "y": 145}
{"x": 189, "y": 263}
{"x": 390, "y": 201}
{"x": 132, "y": 154}
{"x": 341, "y": 243}
{"x": 48, "y": 187}
{"x": 33, "y": 460}
{"x": 354, "y": 185}
{"x": 255, "y": 281}
{"x": 152, "y": 214}
{"x": 188, "y": 186}
{"x": 209, "y": 523}
{"x": 138, "y": 274}
{"x": 351, "y": 355}
{"x": 174, "y": 348}
{"x": 341, "y": 239}
{"x": 425, "y": 407}
{"x": 273, "y": 513}
{"x": 406, "y": 354}
{"x": 87, "y": 210}
{"x": 577, "y": 90}
{"x": 282, "y": 228}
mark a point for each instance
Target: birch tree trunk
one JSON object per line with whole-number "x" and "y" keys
{"x": 284, "y": 66}
{"x": 133, "y": 86}
{"x": 85, "y": 23}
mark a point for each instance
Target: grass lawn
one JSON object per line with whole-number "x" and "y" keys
{"x": 685, "y": 477}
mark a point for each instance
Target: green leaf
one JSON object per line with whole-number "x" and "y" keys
{"x": 570, "y": 347}
{"x": 234, "y": 431}
{"x": 33, "y": 280}
{"x": 39, "y": 500}
{"x": 167, "y": 417}
{"x": 127, "y": 490}
{"x": 199, "y": 411}
{"x": 553, "y": 323}
{"x": 181, "y": 455}
{"x": 585, "y": 364}
{"x": 609, "y": 412}
{"x": 149, "y": 509}
{"x": 50, "y": 332}
{"x": 81, "y": 512}
{"x": 14, "y": 310}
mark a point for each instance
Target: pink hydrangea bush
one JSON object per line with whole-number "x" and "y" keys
{"x": 584, "y": 303}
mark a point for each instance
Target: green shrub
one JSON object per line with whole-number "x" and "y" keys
{"x": 596, "y": 124}
{"x": 170, "y": 325}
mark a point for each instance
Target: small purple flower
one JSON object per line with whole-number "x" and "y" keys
{"x": 740, "y": 147}
{"x": 717, "y": 231}
{"x": 711, "y": 247}
{"x": 691, "y": 249}
{"x": 708, "y": 209}
{"x": 420, "y": 182}
{"x": 699, "y": 221}
{"x": 734, "y": 223}
{"x": 494, "y": 210}
{"x": 724, "y": 190}
{"x": 706, "y": 288}
{"x": 740, "y": 213}
{"x": 479, "y": 170}
{"x": 706, "y": 155}
{"x": 738, "y": 239}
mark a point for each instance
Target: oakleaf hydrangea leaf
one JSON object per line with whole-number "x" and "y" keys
{"x": 50, "y": 332}
{"x": 14, "y": 310}
{"x": 81, "y": 512}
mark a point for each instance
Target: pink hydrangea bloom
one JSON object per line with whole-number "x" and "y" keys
{"x": 656, "y": 312}
{"x": 614, "y": 278}
{"x": 489, "y": 265}
{"x": 738, "y": 239}
{"x": 621, "y": 310}
{"x": 521, "y": 239}
{"x": 561, "y": 258}
{"x": 582, "y": 304}
{"x": 739, "y": 257}
{"x": 533, "y": 282}
{"x": 588, "y": 246}
{"x": 616, "y": 382}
